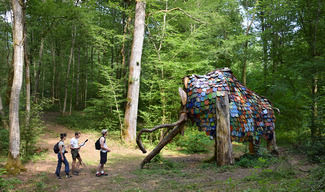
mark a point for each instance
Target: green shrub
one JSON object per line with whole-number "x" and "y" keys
{"x": 29, "y": 134}
{"x": 315, "y": 150}
{"x": 194, "y": 141}
{"x": 247, "y": 161}
{"x": 4, "y": 138}
{"x": 7, "y": 184}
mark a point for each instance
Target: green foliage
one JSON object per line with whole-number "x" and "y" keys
{"x": 7, "y": 185}
{"x": 314, "y": 150}
{"x": 29, "y": 134}
{"x": 247, "y": 161}
{"x": 194, "y": 141}
{"x": 4, "y": 144}
{"x": 316, "y": 180}
{"x": 78, "y": 120}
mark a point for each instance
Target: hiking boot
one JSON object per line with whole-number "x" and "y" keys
{"x": 68, "y": 176}
{"x": 58, "y": 177}
{"x": 98, "y": 174}
{"x": 104, "y": 174}
{"x": 75, "y": 173}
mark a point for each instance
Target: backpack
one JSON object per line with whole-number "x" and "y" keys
{"x": 56, "y": 148}
{"x": 97, "y": 144}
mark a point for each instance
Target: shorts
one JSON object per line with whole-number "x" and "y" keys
{"x": 103, "y": 158}
{"x": 75, "y": 153}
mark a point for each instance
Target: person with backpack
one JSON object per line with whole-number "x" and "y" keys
{"x": 61, "y": 157}
{"x": 102, "y": 146}
{"x": 74, "y": 146}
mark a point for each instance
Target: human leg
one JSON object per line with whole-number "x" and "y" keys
{"x": 67, "y": 169}
{"x": 79, "y": 162}
{"x": 58, "y": 167}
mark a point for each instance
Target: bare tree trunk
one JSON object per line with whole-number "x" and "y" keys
{"x": 92, "y": 69}
{"x": 35, "y": 91}
{"x": 71, "y": 95}
{"x": 223, "y": 146}
{"x": 243, "y": 77}
{"x": 3, "y": 116}
{"x": 131, "y": 111}
{"x": 43, "y": 83}
{"x": 54, "y": 70}
{"x": 123, "y": 47}
{"x": 68, "y": 71}
{"x": 13, "y": 165}
{"x": 78, "y": 74}
{"x": 86, "y": 83}
{"x": 27, "y": 72}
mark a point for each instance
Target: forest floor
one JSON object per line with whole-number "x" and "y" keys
{"x": 177, "y": 172}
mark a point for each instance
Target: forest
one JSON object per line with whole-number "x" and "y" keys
{"x": 86, "y": 65}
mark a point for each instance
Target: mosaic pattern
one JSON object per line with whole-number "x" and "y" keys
{"x": 251, "y": 115}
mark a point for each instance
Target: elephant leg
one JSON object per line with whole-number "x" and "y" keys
{"x": 254, "y": 147}
{"x": 271, "y": 145}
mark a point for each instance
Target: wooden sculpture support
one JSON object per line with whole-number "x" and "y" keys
{"x": 223, "y": 146}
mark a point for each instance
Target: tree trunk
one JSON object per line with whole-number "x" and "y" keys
{"x": 13, "y": 165}
{"x": 243, "y": 77}
{"x": 223, "y": 146}
{"x": 71, "y": 95}
{"x": 35, "y": 92}
{"x": 3, "y": 116}
{"x": 27, "y": 72}
{"x": 68, "y": 71}
{"x": 54, "y": 70}
{"x": 92, "y": 69}
{"x": 131, "y": 111}
{"x": 78, "y": 75}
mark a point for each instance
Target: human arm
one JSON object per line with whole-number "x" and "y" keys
{"x": 61, "y": 146}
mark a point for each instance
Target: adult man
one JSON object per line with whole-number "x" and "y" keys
{"x": 61, "y": 157}
{"x": 74, "y": 146}
{"x": 103, "y": 154}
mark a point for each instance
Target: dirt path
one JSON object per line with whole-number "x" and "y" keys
{"x": 122, "y": 166}
{"x": 180, "y": 173}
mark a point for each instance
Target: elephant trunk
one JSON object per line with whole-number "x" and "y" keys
{"x": 169, "y": 126}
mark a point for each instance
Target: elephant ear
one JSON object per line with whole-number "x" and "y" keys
{"x": 183, "y": 95}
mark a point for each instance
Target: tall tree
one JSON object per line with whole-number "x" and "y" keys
{"x": 131, "y": 111}
{"x": 13, "y": 165}
{"x": 68, "y": 71}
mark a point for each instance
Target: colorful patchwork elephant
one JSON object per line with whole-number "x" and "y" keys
{"x": 251, "y": 116}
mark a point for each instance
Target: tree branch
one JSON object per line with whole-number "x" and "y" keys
{"x": 177, "y": 8}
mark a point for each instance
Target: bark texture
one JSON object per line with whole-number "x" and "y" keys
{"x": 13, "y": 165}
{"x": 131, "y": 111}
{"x": 68, "y": 71}
{"x": 223, "y": 146}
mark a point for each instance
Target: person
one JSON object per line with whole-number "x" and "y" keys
{"x": 103, "y": 154}
{"x": 74, "y": 146}
{"x": 61, "y": 157}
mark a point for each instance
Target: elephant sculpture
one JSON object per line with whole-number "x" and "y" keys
{"x": 205, "y": 99}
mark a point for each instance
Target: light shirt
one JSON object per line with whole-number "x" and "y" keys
{"x": 61, "y": 143}
{"x": 102, "y": 139}
{"x": 74, "y": 142}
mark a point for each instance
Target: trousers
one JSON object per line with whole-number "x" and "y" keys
{"x": 58, "y": 167}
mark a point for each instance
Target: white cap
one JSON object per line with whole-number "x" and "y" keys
{"x": 104, "y": 131}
